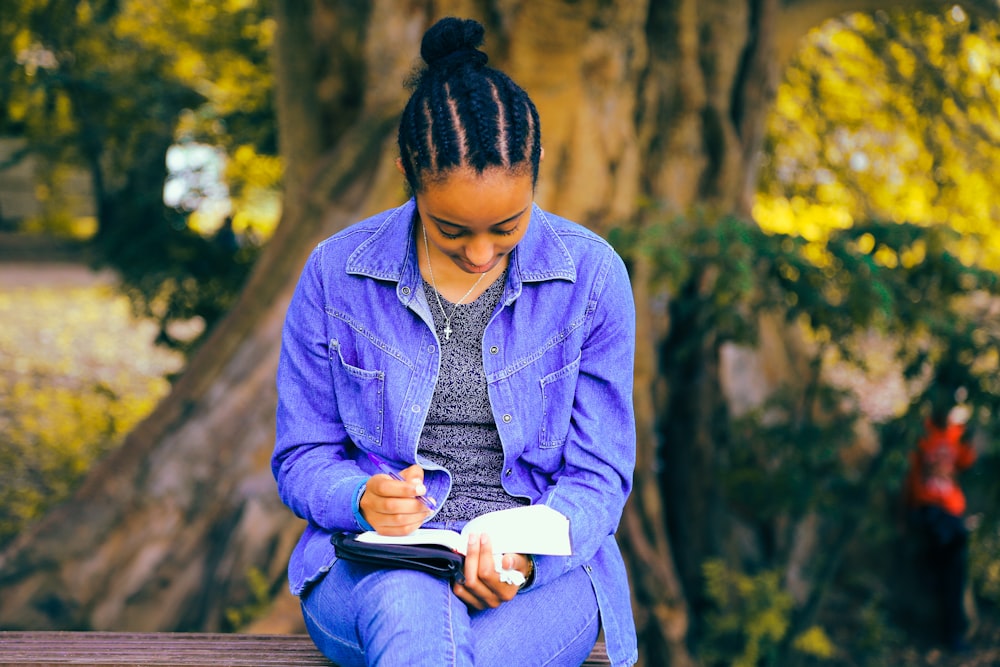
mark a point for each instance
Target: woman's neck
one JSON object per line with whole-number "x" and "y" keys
{"x": 449, "y": 279}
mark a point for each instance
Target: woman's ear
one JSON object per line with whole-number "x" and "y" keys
{"x": 399, "y": 166}
{"x": 541, "y": 153}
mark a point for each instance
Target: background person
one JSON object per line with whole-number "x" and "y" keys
{"x": 937, "y": 507}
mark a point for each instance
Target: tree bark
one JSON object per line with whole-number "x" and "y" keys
{"x": 648, "y": 110}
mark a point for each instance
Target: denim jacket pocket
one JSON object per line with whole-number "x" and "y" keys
{"x": 360, "y": 397}
{"x": 558, "y": 391}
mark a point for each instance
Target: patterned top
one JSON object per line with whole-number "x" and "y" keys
{"x": 460, "y": 432}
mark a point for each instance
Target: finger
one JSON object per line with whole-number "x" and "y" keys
{"x": 395, "y": 516}
{"x": 471, "y": 568}
{"x": 467, "y": 597}
{"x": 392, "y": 524}
{"x": 415, "y": 475}
{"x": 380, "y": 496}
{"x": 499, "y": 591}
{"x": 387, "y": 487}
{"x": 487, "y": 567}
{"x": 482, "y": 579}
{"x": 517, "y": 562}
{"x": 474, "y": 584}
{"x": 401, "y": 506}
{"x": 392, "y": 516}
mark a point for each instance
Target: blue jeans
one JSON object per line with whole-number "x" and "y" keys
{"x": 359, "y": 615}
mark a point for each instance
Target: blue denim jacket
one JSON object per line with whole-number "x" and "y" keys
{"x": 359, "y": 361}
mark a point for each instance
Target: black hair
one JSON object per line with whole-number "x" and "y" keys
{"x": 463, "y": 113}
{"x": 942, "y": 400}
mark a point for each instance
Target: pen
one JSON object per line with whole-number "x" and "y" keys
{"x": 384, "y": 467}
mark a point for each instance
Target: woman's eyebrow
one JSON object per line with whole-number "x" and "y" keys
{"x": 442, "y": 221}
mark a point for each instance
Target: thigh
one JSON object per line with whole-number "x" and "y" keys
{"x": 556, "y": 624}
{"x": 359, "y": 615}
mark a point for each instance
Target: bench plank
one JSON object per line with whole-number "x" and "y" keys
{"x": 171, "y": 649}
{"x": 109, "y": 649}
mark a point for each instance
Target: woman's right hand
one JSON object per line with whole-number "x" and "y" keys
{"x": 391, "y": 506}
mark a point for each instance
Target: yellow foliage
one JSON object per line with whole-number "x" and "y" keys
{"x": 866, "y": 243}
{"x": 815, "y": 642}
{"x": 189, "y": 65}
{"x": 77, "y": 372}
{"x": 22, "y": 41}
{"x": 238, "y": 5}
{"x": 750, "y": 611}
{"x": 886, "y": 257}
{"x": 866, "y": 133}
{"x": 914, "y": 255}
{"x": 84, "y": 12}
{"x": 258, "y": 201}
{"x": 905, "y": 60}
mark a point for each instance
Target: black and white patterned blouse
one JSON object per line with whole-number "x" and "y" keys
{"x": 460, "y": 432}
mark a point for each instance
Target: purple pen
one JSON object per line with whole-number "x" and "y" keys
{"x": 384, "y": 467}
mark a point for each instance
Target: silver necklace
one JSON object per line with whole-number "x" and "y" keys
{"x": 430, "y": 269}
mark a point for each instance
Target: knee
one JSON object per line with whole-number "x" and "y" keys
{"x": 411, "y": 618}
{"x": 406, "y": 601}
{"x": 398, "y": 595}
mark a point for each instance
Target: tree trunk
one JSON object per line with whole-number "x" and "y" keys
{"x": 659, "y": 103}
{"x": 166, "y": 532}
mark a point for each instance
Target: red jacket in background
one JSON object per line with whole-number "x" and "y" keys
{"x": 934, "y": 465}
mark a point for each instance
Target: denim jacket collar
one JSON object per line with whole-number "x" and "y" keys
{"x": 389, "y": 254}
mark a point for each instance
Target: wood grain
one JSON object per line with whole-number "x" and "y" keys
{"x": 171, "y": 649}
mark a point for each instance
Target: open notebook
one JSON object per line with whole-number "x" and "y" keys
{"x": 531, "y": 529}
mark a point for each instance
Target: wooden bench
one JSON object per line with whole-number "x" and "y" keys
{"x": 171, "y": 649}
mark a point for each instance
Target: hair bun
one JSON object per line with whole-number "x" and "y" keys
{"x": 453, "y": 42}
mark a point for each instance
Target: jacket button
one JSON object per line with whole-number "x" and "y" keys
{"x": 415, "y": 408}
{"x": 494, "y": 349}
{"x": 506, "y": 419}
{"x": 405, "y": 291}
{"x": 508, "y": 472}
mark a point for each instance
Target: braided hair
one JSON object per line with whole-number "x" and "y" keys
{"x": 463, "y": 113}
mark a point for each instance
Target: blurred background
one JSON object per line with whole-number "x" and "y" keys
{"x": 807, "y": 197}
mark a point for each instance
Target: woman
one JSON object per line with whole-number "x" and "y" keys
{"x": 483, "y": 348}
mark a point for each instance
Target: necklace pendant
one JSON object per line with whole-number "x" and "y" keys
{"x": 447, "y": 332}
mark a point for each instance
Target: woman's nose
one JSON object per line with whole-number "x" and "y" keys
{"x": 479, "y": 251}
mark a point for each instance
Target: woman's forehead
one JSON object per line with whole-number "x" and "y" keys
{"x": 466, "y": 198}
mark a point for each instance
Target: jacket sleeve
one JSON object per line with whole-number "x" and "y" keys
{"x": 312, "y": 461}
{"x": 600, "y": 450}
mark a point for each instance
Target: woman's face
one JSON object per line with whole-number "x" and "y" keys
{"x": 475, "y": 220}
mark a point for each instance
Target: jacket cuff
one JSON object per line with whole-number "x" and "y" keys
{"x": 356, "y": 507}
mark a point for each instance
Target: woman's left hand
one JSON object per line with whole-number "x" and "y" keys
{"x": 482, "y": 587}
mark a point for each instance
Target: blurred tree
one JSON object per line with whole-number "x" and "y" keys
{"x": 109, "y": 86}
{"x": 655, "y": 116}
